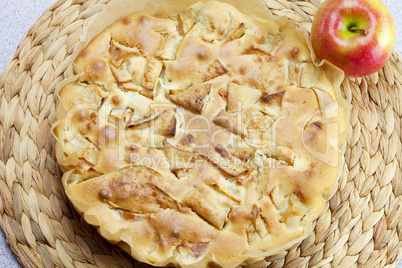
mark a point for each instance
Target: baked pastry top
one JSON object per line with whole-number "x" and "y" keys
{"x": 209, "y": 136}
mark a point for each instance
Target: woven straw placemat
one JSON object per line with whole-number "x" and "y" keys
{"x": 359, "y": 228}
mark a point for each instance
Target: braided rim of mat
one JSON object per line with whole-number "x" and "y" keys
{"x": 360, "y": 226}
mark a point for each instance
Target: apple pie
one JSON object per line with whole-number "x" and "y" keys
{"x": 207, "y": 137}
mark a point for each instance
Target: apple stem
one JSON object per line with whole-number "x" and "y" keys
{"x": 356, "y": 29}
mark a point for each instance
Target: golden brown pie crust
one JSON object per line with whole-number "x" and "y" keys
{"x": 208, "y": 136}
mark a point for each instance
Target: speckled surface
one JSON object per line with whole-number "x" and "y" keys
{"x": 16, "y": 17}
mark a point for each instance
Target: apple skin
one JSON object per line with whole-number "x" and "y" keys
{"x": 358, "y": 36}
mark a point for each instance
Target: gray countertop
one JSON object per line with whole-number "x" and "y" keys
{"x": 16, "y": 17}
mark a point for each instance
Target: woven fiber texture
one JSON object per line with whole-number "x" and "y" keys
{"x": 360, "y": 227}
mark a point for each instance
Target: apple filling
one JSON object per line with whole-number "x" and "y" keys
{"x": 204, "y": 129}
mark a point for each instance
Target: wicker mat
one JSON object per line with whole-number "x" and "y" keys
{"x": 359, "y": 228}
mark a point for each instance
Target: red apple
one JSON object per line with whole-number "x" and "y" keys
{"x": 358, "y": 36}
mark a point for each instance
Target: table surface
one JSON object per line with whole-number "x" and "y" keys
{"x": 16, "y": 17}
